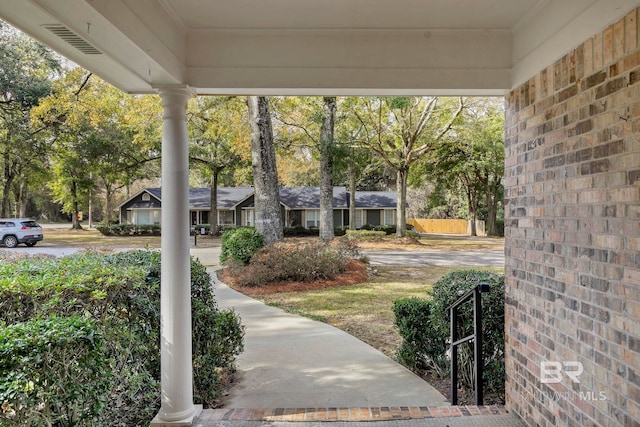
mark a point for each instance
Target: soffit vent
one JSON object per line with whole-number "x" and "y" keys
{"x": 73, "y": 39}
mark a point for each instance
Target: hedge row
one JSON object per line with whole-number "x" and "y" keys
{"x": 129, "y": 230}
{"x": 85, "y": 330}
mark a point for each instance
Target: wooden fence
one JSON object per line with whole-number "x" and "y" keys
{"x": 446, "y": 226}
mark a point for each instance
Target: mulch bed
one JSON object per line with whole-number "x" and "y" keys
{"x": 355, "y": 273}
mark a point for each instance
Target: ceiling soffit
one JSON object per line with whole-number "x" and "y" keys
{"x": 330, "y": 47}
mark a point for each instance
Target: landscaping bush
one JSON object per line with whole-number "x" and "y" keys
{"x": 129, "y": 229}
{"x": 340, "y": 231}
{"x": 121, "y": 293}
{"x": 299, "y": 230}
{"x": 54, "y": 371}
{"x": 240, "y": 244}
{"x": 365, "y": 234}
{"x": 388, "y": 229}
{"x": 423, "y": 348}
{"x": 412, "y": 321}
{"x": 295, "y": 262}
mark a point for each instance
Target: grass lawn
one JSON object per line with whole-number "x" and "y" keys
{"x": 364, "y": 310}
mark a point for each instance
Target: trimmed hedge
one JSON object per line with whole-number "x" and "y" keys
{"x": 365, "y": 234}
{"x": 129, "y": 230}
{"x": 55, "y": 371}
{"x": 424, "y": 326}
{"x": 120, "y": 293}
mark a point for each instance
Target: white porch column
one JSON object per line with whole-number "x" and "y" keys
{"x": 175, "y": 290}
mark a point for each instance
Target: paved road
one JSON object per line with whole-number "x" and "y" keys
{"x": 475, "y": 258}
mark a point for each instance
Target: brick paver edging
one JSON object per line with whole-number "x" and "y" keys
{"x": 348, "y": 414}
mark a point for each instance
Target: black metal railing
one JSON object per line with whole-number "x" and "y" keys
{"x": 474, "y": 294}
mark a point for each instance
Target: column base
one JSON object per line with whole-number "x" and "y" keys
{"x": 158, "y": 422}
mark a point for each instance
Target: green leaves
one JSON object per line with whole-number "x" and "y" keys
{"x": 425, "y": 329}
{"x": 240, "y": 244}
{"x": 55, "y": 371}
{"x": 82, "y": 333}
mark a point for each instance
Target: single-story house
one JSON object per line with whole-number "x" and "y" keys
{"x": 300, "y": 206}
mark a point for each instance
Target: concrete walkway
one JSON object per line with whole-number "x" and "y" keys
{"x": 297, "y": 370}
{"x": 291, "y": 361}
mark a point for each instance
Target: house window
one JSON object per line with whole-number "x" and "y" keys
{"x": 249, "y": 218}
{"x": 312, "y": 218}
{"x": 389, "y": 217}
{"x": 143, "y": 218}
{"x": 225, "y": 218}
{"x": 204, "y": 217}
{"x": 146, "y": 197}
{"x": 358, "y": 218}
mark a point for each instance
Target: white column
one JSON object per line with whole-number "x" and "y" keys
{"x": 175, "y": 287}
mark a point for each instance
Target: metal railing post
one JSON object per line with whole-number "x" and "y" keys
{"x": 453, "y": 312}
{"x": 474, "y": 294}
{"x": 477, "y": 343}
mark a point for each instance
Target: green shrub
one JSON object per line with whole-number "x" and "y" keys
{"x": 340, "y": 231}
{"x": 240, "y": 244}
{"x": 388, "y": 229}
{"x": 423, "y": 348}
{"x": 299, "y": 230}
{"x": 295, "y": 262}
{"x": 129, "y": 229}
{"x": 121, "y": 293}
{"x": 54, "y": 371}
{"x": 222, "y": 228}
{"x": 217, "y": 338}
{"x": 365, "y": 234}
{"x": 104, "y": 229}
{"x": 416, "y": 353}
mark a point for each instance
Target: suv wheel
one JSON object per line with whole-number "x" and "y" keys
{"x": 10, "y": 241}
{"x": 30, "y": 244}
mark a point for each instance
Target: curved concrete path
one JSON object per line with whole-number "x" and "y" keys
{"x": 291, "y": 361}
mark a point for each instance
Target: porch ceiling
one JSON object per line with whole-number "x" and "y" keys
{"x": 339, "y": 47}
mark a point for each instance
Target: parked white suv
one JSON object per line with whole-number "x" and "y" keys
{"x": 14, "y": 231}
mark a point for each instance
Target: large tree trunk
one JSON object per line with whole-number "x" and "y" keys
{"x": 6, "y": 188}
{"x": 268, "y": 218}
{"x": 21, "y": 200}
{"x": 326, "y": 168}
{"x": 76, "y": 207}
{"x": 213, "y": 213}
{"x": 401, "y": 186}
{"x": 493, "y": 192}
{"x": 108, "y": 187}
{"x": 352, "y": 197}
{"x": 473, "y": 207}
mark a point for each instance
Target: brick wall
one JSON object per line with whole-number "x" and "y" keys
{"x": 572, "y": 195}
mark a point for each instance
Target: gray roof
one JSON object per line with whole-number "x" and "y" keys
{"x": 376, "y": 199}
{"x": 291, "y": 197}
{"x": 200, "y": 198}
{"x": 309, "y": 197}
